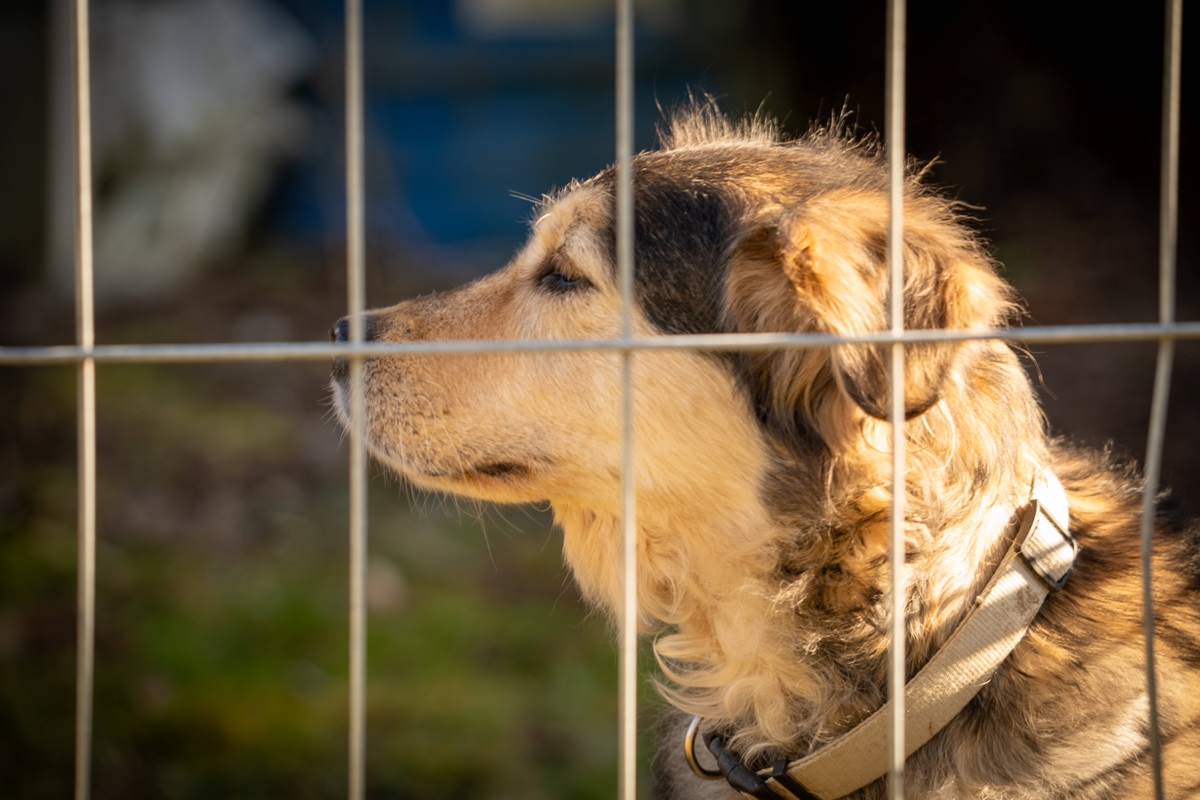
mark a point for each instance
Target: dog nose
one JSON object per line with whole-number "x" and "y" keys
{"x": 340, "y": 332}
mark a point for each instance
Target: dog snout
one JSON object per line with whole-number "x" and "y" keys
{"x": 340, "y": 332}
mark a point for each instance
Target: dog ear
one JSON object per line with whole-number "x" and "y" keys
{"x": 824, "y": 269}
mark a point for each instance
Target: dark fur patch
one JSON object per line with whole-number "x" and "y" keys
{"x": 681, "y": 230}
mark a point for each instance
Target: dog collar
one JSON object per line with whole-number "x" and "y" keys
{"x": 1038, "y": 562}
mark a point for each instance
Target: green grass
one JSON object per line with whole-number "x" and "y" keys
{"x": 221, "y": 643}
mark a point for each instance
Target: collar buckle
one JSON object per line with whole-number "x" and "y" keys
{"x": 1046, "y": 546}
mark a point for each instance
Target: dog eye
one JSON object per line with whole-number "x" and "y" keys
{"x": 558, "y": 276}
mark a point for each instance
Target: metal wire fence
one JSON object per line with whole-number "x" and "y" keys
{"x": 86, "y": 355}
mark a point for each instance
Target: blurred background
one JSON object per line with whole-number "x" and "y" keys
{"x": 221, "y": 641}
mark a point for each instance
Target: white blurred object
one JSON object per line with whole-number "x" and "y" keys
{"x": 190, "y": 118}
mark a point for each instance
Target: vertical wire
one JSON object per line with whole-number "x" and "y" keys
{"x": 86, "y": 334}
{"x": 627, "y": 716}
{"x": 356, "y": 300}
{"x": 1154, "y": 448}
{"x": 895, "y": 248}
{"x": 1168, "y": 234}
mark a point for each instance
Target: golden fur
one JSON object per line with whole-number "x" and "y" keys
{"x": 763, "y": 478}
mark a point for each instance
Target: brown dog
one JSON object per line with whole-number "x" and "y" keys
{"x": 763, "y": 478}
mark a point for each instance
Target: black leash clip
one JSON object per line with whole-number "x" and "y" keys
{"x": 734, "y": 770}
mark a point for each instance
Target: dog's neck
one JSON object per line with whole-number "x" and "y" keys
{"x": 740, "y": 626}
{"x": 769, "y": 608}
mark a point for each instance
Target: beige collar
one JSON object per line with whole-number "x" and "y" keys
{"x": 1037, "y": 563}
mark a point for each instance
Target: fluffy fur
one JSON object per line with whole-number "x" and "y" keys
{"x": 763, "y": 477}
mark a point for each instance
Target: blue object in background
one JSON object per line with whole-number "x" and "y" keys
{"x": 460, "y": 117}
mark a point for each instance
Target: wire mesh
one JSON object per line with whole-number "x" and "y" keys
{"x": 356, "y": 302}
{"x": 86, "y": 354}
{"x": 894, "y": 143}
{"x": 1168, "y": 237}
{"x": 86, "y": 411}
{"x": 627, "y": 653}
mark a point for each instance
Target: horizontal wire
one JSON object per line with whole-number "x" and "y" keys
{"x": 718, "y": 342}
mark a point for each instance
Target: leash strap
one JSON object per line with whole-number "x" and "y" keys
{"x": 1038, "y": 562}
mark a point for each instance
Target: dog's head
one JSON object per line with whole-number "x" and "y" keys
{"x": 735, "y": 231}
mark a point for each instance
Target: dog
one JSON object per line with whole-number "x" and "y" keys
{"x": 763, "y": 478}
